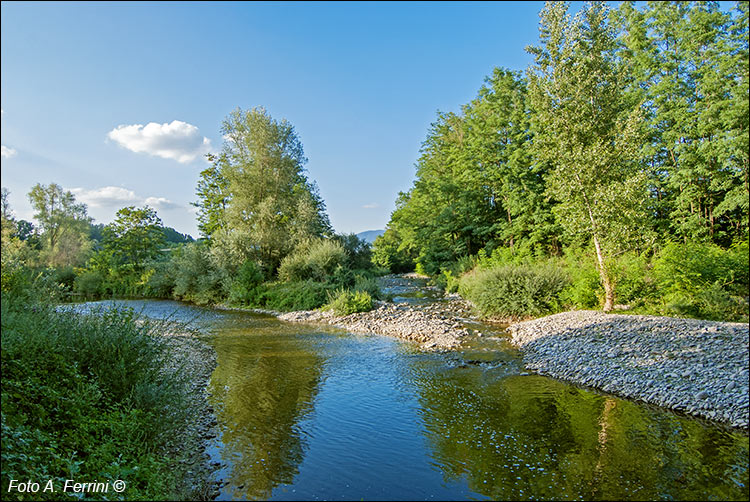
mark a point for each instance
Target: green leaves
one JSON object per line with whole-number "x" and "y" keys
{"x": 134, "y": 237}
{"x": 257, "y": 188}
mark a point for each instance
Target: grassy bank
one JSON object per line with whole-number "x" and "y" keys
{"x": 88, "y": 398}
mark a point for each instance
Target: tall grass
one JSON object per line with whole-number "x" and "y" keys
{"x": 86, "y": 397}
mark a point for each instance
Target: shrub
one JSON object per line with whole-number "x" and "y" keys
{"x": 703, "y": 280}
{"x": 315, "y": 260}
{"x": 247, "y": 286}
{"x": 358, "y": 252}
{"x": 584, "y": 290}
{"x": 296, "y": 295}
{"x": 367, "y": 284}
{"x": 633, "y": 279}
{"x": 160, "y": 283}
{"x": 86, "y": 396}
{"x": 65, "y": 277}
{"x": 514, "y": 291}
{"x": 196, "y": 277}
{"x": 345, "y": 302}
{"x": 90, "y": 284}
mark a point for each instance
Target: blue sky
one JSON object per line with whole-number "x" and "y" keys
{"x": 361, "y": 83}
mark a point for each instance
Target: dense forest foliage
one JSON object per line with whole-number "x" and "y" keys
{"x": 614, "y": 170}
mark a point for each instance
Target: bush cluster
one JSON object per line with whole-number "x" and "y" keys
{"x": 87, "y": 397}
{"x": 345, "y": 302}
{"x": 686, "y": 280}
{"x": 514, "y": 291}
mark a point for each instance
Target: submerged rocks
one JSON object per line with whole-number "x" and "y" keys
{"x": 699, "y": 367}
{"x": 435, "y": 326}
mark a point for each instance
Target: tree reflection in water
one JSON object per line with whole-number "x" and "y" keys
{"x": 263, "y": 386}
{"x": 522, "y": 437}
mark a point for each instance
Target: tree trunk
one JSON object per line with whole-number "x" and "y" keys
{"x": 609, "y": 287}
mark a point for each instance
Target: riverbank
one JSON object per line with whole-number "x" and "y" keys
{"x": 195, "y": 360}
{"x": 693, "y": 366}
{"x": 434, "y": 326}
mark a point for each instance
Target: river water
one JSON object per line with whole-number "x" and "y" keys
{"x": 308, "y": 412}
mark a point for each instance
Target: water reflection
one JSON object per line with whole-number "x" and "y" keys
{"x": 264, "y": 385}
{"x": 524, "y": 437}
{"x": 306, "y": 414}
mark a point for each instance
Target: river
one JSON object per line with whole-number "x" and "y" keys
{"x": 308, "y": 412}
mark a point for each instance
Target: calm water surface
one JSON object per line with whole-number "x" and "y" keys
{"x": 314, "y": 413}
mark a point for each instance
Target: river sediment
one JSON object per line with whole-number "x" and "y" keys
{"x": 196, "y": 360}
{"x": 433, "y": 328}
{"x": 693, "y": 366}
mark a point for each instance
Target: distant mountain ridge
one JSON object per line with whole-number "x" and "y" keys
{"x": 370, "y": 235}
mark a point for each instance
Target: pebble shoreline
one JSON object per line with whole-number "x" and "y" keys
{"x": 196, "y": 359}
{"x": 693, "y": 366}
{"x": 432, "y": 326}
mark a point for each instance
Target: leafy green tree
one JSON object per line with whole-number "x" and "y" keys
{"x": 135, "y": 236}
{"x": 690, "y": 66}
{"x": 213, "y": 196}
{"x": 585, "y": 129}
{"x": 257, "y": 202}
{"x": 64, "y": 224}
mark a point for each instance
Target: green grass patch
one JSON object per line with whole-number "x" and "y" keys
{"x": 345, "y": 302}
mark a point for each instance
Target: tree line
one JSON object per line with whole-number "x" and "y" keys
{"x": 266, "y": 240}
{"x": 628, "y": 131}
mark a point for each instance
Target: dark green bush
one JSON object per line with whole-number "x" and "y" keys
{"x": 514, "y": 291}
{"x": 247, "y": 285}
{"x": 358, "y": 252}
{"x": 90, "y": 284}
{"x": 65, "y": 277}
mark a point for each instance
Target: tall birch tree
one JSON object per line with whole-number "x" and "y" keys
{"x": 585, "y": 129}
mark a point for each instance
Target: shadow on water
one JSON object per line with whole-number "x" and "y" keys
{"x": 306, "y": 413}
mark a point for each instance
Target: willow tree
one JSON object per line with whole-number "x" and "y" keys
{"x": 257, "y": 200}
{"x": 586, "y": 130}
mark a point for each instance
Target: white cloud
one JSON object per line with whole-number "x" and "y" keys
{"x": 106, "y": 196}
{"x": 371, "y": 206}
{"x": 7, "y": 152}
{"x": 177, "y": 140}
{"x": 117, "y": 197}
{"x": 160, "y": 203}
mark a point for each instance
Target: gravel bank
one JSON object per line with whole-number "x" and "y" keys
{"x": 197, "y": 360}
{"x": 435, "y": 326}
{"x": 697, "y": 367}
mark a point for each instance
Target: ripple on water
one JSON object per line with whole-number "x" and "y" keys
{"x": 310, "y": 413}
